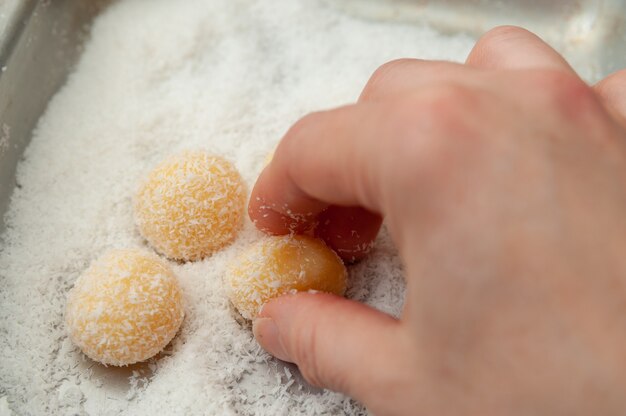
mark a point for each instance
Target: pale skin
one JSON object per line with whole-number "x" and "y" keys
{"x": 503, "y": 184}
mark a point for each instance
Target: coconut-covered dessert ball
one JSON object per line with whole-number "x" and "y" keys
{"x": 278, "y": 265}
{"x": 190, "y": 205}
{"x": 125, "y": 308}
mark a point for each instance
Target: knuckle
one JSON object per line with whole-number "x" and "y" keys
{"x": 567, "y": 93}
{"x": 504, "y": 32}
{"x": 388, "y": 68}
{"x": 442, "y": 110}
{"x": 447, "y": 102}
{"x": 289, "y": 154}
{"x": 613, "y": 86}
{"x": 381, "y": 75}
{"x": 495, "y": 44}
{"x": 302, "y": 125}
{"x": 431, "y": 127}
{"x": 298, "y": 135}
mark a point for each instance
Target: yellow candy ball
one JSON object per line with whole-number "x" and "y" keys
{"x": 125, "y": 308}
{"x": 278, "y": 265}
{"x": 190, "y": 205}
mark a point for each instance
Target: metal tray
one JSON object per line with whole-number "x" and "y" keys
{"x": 39, "y": 43}
{"x": 40, "y": 40}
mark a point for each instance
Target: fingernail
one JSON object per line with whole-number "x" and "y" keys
{"x": 266, "y": 333}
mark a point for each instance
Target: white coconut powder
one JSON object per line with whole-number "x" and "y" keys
{"x": 158, "y": 77}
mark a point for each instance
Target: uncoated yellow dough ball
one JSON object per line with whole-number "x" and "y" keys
{"x": 125, "y": 308}
{"x": 278, "y": 265}
{"x": 190, "y": 205}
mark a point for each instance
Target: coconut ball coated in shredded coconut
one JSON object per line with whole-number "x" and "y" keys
{"x": 125, "y": 308}
{"x": 275, "y": 266}
{"x": 190, "y": 205}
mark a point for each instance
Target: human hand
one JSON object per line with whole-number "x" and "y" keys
{"x": 503, "y": 184}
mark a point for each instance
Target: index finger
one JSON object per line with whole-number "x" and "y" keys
{"x": 324, "y": 168}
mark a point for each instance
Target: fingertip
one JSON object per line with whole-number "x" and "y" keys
{"x": 350, "y": 231}
{"x": 266, "y": 333}
{"x": 269, "y": 220}
{"x": 276, "y": 209}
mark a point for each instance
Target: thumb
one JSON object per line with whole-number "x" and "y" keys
{"x": 337, "y": 344}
